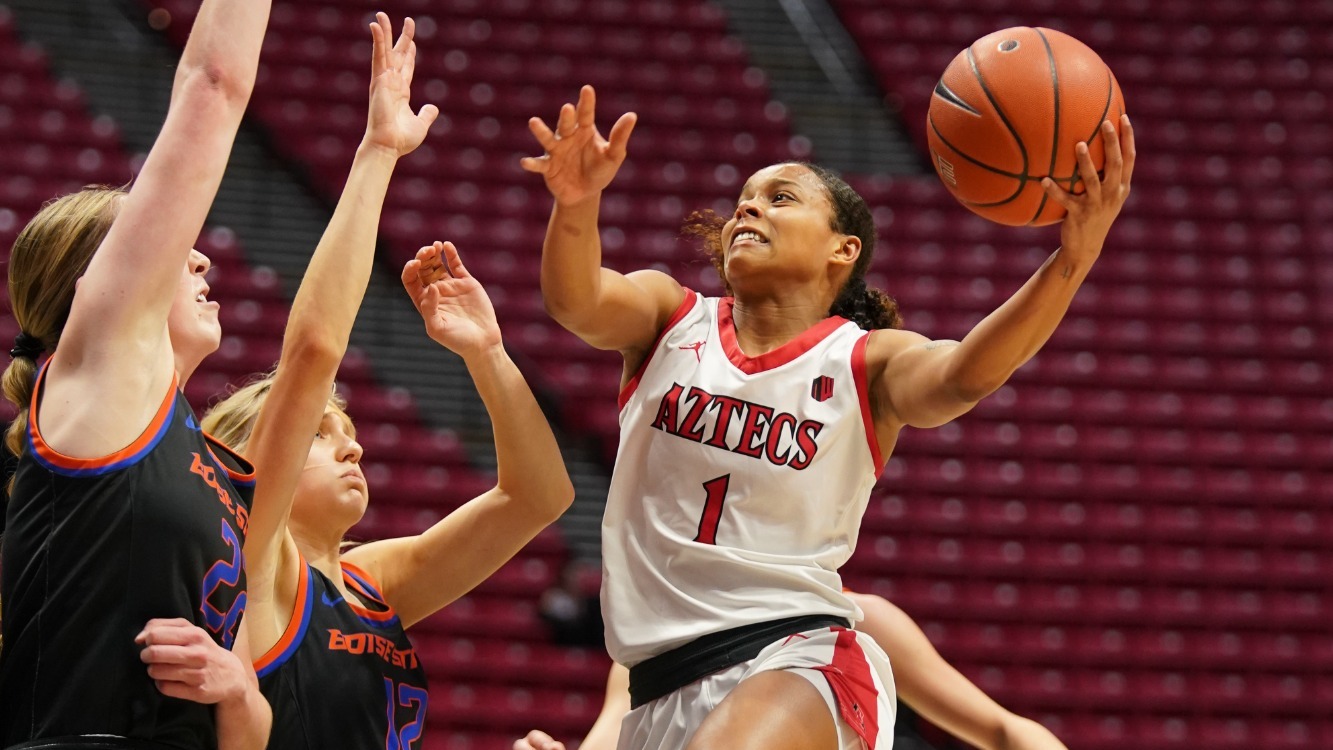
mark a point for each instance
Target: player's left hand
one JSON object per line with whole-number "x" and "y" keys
{"x": 538, "y": 740}
{"x": 1092, "y": 213}
{"x": 186, "y": 663}
{"x": 456, "y": 309}
{"x": 391, "y": 123}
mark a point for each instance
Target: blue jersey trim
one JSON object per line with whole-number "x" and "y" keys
{"x": 271, "y": 664}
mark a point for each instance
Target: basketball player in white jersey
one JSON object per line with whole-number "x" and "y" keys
{"x": 752, "y": 429}
{"x": 924, "y": 680}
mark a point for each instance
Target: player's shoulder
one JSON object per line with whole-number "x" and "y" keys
{"x": 666, "y": 293}
{"x": 883, "y": 344}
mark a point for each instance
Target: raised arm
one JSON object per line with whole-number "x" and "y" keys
{"x": 116, "y": 330}
{"x": 941, "y": 693}
{"x": 421, "y": 574}
{"x": 927, "y": 383}
{"x": 318, "y": 329}
{"x": 604, "y": 308}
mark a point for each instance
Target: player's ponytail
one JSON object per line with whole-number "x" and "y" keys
{"x": 49, "y": 256}
{"x": 868, "y": 308}
{"x": 18, "y": 383}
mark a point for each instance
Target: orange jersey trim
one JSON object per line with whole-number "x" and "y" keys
{"x": 127, "y": 456}
{"x": 364, "y": 584}
{"x": 296, "y": 626}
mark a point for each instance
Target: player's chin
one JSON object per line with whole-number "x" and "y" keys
{"x": 355, "y": 501}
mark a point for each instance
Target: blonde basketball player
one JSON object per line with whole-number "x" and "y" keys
{"x": 752, "y": 429}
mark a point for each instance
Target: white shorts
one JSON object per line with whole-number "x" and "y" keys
{"x": 848, "y": 668}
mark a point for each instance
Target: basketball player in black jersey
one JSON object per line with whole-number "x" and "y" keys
{"x": 340, "y": 668}
{"x": 328, "y": 628}
{"x": 122, "y": 582}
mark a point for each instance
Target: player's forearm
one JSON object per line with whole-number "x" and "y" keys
{"x": 335, "y": 281}
{"x": 243, "y": 722}
{"x": 572, "y": 262}
{"x": 605, "y": 731}
{"x": 1024, "y": 734}
{"x": 223, "y": 48}
{"x": 1007, "y": 338}
{"x": 529, "y": 467}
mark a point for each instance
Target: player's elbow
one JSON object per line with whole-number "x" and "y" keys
{"x": 211, "y": 80}
{"x": 968, "y": 385}
{"x": 555, "y": 498}
{"x": 968, "y": 393}
{"x": 312, "y": 350}
{"x": 545, "y": 500}
{"x": 564, "y": 308}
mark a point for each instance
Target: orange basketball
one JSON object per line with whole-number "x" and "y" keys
{"x": 1009, "y": 110}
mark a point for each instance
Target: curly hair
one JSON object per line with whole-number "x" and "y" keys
{"x": 868, "y": 308}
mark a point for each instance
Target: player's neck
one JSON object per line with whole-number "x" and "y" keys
{"x": 324, "y": 555}
{"x": 766, "y": 323}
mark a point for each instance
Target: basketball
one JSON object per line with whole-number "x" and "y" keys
{"x": 1008, "y": 111}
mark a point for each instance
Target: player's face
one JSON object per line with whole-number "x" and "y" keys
{"x": 782, "y": 221}
{"x": 193, "y": 319}
{"x": 332, "y": 489}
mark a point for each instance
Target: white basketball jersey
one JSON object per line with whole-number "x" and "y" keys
{"x": 740, "y": 482}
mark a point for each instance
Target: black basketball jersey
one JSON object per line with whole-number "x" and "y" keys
{"x": 94, "y": 549}
{"x": 343, "y": 671}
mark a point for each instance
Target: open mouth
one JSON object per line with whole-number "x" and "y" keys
{"x": 747, "y": 235}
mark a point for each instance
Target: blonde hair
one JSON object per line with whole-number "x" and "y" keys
{"x": 49, "y": 256}
{"x": 232, "y": 419}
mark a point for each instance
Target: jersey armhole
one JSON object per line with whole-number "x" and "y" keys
{"x": 365, "y": 586}
{"x": 55, "y": 461}
{"x": 685, "y": 306}
{"x": 291, "y": 637}
{"x": 863, "y": 395}
{"x": 238, "y": 467}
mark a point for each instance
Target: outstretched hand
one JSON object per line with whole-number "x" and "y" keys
{"x": 579, "y": 163}
{"x": 391, "y": 123}
{"x": 1092, "y": 213}
{"x": 457, "y": 312}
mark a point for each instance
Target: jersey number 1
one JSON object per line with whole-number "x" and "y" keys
{"x": 715, "y": 496}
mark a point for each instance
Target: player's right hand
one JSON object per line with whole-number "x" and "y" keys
{"x": 579, "y": 163}
{"x": 538, "y": 740}
{"x": 186, "y": 663}
{"x": 391, "y": 124}
{"x": 455, "y": 308}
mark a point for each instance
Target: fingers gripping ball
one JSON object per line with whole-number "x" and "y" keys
{"x": 1009, "y": 111}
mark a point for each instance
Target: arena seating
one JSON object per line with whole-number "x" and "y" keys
{"x": 1127, "y": 543}
{"x": 49, "y": 144}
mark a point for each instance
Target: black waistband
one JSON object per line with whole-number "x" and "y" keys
{"x": 668, "y": 672}
{"x": 88, "y": 742}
